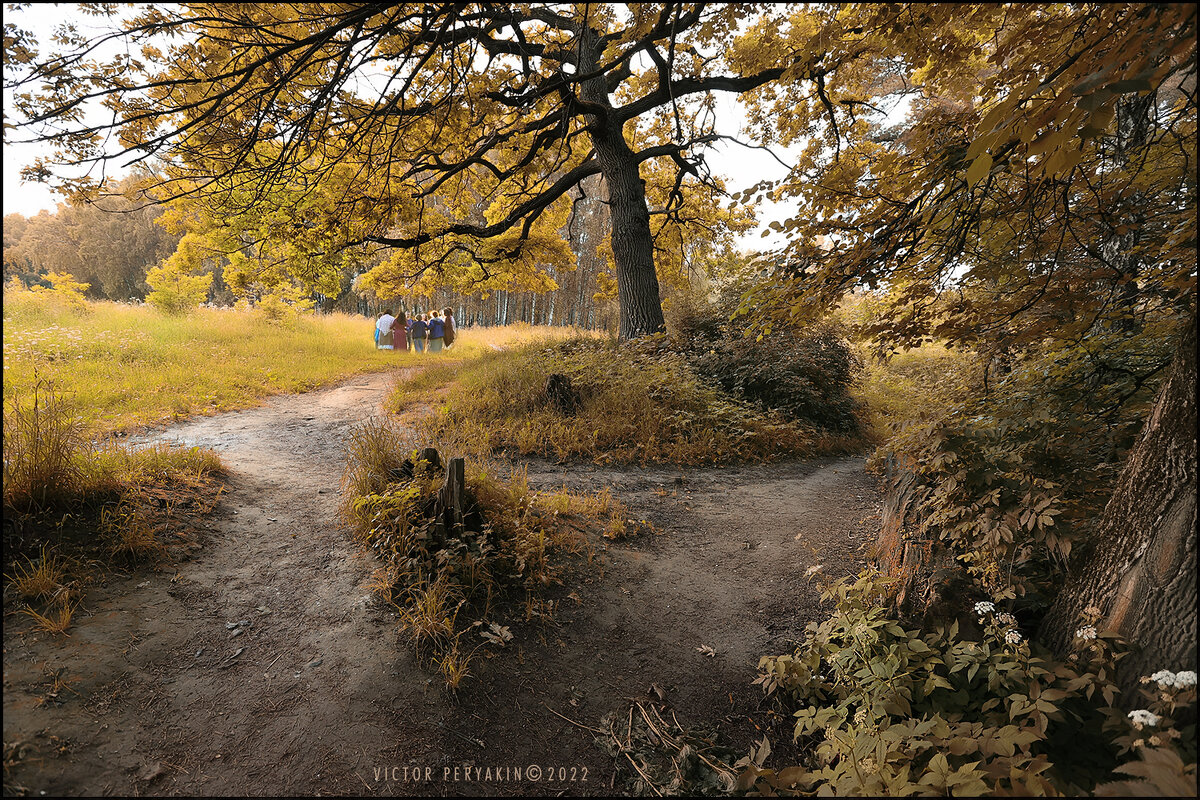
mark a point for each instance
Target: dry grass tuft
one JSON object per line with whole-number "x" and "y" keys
{"x": 42, "y": 438}
{"x": 130, "y": 532}
{"x": 40, "y": 580}
{"x": 57, "y": 618}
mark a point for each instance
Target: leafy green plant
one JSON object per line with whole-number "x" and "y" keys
{"x": 885, "y": 710}
{"x": 1012, "y": 480}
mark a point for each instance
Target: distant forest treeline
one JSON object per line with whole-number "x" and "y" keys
{"x": 113, "y": 243}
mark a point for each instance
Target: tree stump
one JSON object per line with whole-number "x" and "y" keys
{"x": 562, "y": 395}
{"x": 408, "y": 469}
{"x": 430, "y": 455}
{"x": 451, "y": 496}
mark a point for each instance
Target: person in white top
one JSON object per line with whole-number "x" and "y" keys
{"x": 383, "y": 329}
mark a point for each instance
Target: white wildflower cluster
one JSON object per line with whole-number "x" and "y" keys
{"x": 1087, "y": 633}
{"x": 1174, "y": 680}
{"x": 984, "y": 608}
{"x": 1006, "y": 619}
{"x": 1141, "y": 718}
{"x": 1013, "y": 637}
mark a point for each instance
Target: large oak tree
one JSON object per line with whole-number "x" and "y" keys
{"x": 403, "y": 119}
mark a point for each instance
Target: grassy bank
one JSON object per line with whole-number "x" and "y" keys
{"x": 634, "y": 404}
{"x": 125, "y": 366}
{"x": 71, "y": 506}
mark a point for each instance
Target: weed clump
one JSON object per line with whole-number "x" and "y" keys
{"x": 449, "y": 570}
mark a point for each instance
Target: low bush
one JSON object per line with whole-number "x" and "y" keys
{"x": 805, "y": 375}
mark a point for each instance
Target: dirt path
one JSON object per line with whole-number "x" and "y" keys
{"x": 314, "y": 692}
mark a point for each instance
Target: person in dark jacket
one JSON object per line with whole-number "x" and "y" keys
{"x": 419, "y": 329}
{"x": 400, "y": 332}
{"x": 437, "y": 333}
{"x": 450, "y": 332}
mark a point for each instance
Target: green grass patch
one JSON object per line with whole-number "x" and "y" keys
{"x": 637, "y": 404}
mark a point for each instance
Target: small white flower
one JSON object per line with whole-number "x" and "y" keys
{"x": 984, "y": 608}
{"x": 1013, "y": 637}
{"x": 1141, "y": 717}
{"x": 1006, "y": 618}
{"x": 1185, "y": 678}
{"x": 1164, "y": 678}
{"x": 1087, "y": 632}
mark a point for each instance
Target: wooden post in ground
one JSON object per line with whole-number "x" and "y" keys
{"x": 452, "y": 494}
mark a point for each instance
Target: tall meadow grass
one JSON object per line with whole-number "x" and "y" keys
{"x": 125, "y": 365}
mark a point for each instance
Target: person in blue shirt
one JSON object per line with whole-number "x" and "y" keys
{"x": 437, "y": 330}
{"x": 419, "y": 329}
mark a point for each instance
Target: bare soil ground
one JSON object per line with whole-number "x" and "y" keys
{"x": 260, "y": 665}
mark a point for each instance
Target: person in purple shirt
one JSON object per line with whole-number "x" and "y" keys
{"x": 437, "y": 329}
{"x": 419, "y": 329}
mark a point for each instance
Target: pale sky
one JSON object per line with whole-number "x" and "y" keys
{"x": 741, "y": 167}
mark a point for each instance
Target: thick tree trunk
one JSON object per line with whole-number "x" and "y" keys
{"x": 1141, "y": 572}
{"x": 632, "y": 244}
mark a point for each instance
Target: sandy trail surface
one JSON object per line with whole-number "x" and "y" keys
{"x": 260, "y": 664}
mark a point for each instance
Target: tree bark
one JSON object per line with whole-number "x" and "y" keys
{"x": 1141, "y": 571}
{"x": 632, "y": 244}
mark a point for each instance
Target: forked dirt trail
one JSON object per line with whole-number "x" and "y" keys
{"x": 261, "y": 666}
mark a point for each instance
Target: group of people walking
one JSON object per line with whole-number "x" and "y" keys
{"x": 423, "y": 333}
